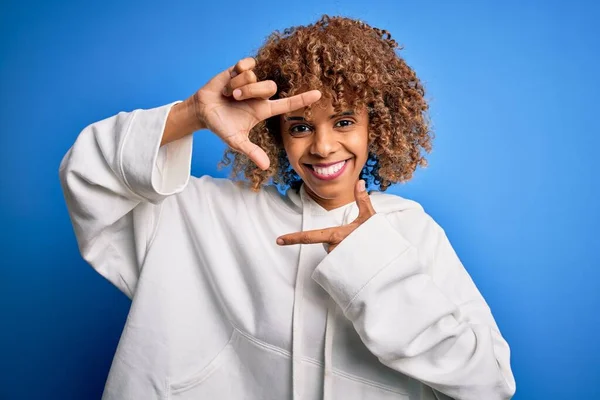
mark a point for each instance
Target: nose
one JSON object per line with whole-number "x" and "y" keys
{"x": 324, "y": 143}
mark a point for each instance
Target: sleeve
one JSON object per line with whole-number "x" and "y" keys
{"x": 114, "y": 179}
{"x": 428, "y": 322}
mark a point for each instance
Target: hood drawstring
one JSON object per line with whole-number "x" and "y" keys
{"x": 329, "y": 333}
{"x": 298, "y": 309}
{"x": 297, "y": 315}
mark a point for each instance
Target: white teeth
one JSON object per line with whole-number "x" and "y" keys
{"x": 330, "y": 170}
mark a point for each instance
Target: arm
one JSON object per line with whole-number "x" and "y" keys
{"x": 425, "y": 319}
{"x": 114, "y": 179}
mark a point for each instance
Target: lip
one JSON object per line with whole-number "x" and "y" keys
{"x": 329, "y": 177}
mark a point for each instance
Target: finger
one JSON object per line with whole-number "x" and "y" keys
{"x": 259, "y": 90}
{"x": 289, "y": 104}
{"x": 240, "y": 80}
{"x": 219, "y": 81}
{"x": 244, "y": 64}
{"x": 363, "y": 201}
{"x": 327, "y": 235}
{"x": 254, "y": 152}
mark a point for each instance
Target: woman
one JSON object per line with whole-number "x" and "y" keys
{"x": 233, "y": 297}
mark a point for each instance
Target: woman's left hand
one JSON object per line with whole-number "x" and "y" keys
{"x": 331, "y": 237}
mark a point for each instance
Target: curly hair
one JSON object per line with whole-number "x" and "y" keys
{"x": 354, "y": 65}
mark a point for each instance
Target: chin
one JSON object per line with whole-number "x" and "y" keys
{"x": 330, "y": 190}
{"x": 326, "y": 193}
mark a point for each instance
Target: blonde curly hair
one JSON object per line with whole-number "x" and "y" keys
{"x": 354, "y": 65}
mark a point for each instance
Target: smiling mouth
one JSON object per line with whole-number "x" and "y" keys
{"x": 327, "y": 172}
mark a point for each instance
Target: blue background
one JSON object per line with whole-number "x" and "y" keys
{"x": 513, "y": 177}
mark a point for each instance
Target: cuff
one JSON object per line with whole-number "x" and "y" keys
{"x": 152, "y": 171}
{"x": 345, "y": 271}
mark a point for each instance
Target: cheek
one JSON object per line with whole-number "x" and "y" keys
{"x": 359, "y": 145}
{"x": 293, "y": 153}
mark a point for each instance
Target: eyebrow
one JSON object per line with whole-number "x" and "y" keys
{"x": 330, "y": 117}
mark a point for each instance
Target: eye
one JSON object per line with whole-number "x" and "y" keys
{"x": 344, "y": 123}
{"x": 299, "y": 129}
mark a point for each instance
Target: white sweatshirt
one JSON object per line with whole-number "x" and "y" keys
{"x": 220, "y": 311}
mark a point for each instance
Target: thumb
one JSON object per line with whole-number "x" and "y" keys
{"x": 363, "y": 201}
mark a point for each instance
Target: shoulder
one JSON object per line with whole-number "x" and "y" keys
{"x": 387, "y": 203}
{"x": 409, "y": 218}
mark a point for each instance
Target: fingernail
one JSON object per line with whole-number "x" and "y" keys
{"x": 225, "y": 91}
{"x": 237, "y": 93}
{"x": 361, "y": 186}
{"x": 234, "y": 74}
{"x": 280, "y": 241}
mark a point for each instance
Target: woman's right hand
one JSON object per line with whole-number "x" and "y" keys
{"x": 233, "y": 102}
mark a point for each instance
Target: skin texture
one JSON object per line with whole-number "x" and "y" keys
{"x": 323, "y": 139}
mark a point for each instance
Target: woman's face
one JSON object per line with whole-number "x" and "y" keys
{"x": 328, "y": 152}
